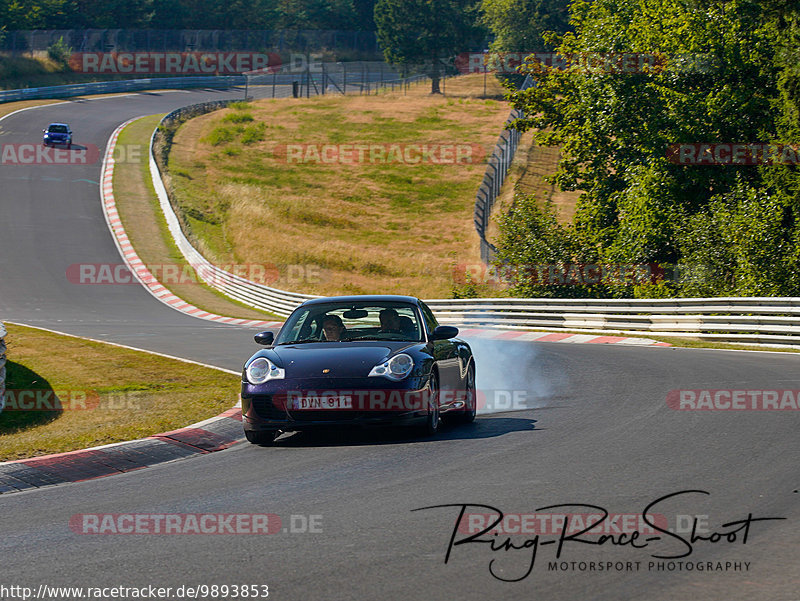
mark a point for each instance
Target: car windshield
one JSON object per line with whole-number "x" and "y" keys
{"x": 351, "y": 321}
{"x": 57, "y": 129}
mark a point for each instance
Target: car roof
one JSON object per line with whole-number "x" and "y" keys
{"x": 64, "y": 124}
{"x": 370, "y": 298}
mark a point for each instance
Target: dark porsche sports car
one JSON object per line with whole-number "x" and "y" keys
{"x": 357, "y": 361}
{"x": 57, "y": 133}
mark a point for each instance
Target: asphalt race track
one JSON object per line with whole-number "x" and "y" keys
{"x": 598, "y": 431}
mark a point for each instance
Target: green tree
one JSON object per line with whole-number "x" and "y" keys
{"x": 518, "y": 25}
{"x": 417, "y": 32}
{"x": 365, "y": 14}
{"x": 36, "y": 14}
{"x": 112, "y": 14}
{"x": 614, "y": 129}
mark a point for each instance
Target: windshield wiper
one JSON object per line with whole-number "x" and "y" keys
{"x": 307, "y": 340}
{"x": 381, "y": 339}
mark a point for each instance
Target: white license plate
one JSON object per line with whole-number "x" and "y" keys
{"x": 314, "y": 403}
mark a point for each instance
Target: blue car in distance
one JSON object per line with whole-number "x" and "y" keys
{"x": 57, "y": 133}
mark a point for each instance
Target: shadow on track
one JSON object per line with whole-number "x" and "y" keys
{"x": 480, "y": 428}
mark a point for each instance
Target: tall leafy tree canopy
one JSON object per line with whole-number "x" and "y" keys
{"x": 727, "y": 73}
{"x": 519, "y": 25}
{"x": 414, "y": 32}
{"x": 189, "y": 14}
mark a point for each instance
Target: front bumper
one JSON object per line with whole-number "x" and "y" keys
{"x": 375, "y": 402}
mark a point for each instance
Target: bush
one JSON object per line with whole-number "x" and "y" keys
{"x": 220, "y": 135}
{"x": 238, "y": 118}
{"x": 530, "y": 235}
{"x": 742, "y": 244}
{"x": 253, "y": 133}
{"x": 59, "y": 52}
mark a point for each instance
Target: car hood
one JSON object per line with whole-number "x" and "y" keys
{"x": 342, "y": 359}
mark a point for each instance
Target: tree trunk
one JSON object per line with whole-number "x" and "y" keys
{"x": 434, "y": 75}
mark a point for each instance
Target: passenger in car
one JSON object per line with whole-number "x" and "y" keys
{"x": 390, "y": 321}
{"x": 407, "y": 326}
{"x": 333, "y": 328}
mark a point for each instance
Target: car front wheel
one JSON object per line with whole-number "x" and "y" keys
{"x": 431, "y": 424}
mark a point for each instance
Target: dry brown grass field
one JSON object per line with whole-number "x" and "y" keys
{"x": 340, "y": 227}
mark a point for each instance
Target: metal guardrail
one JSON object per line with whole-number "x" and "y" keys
{"x": 753, "y": 320}
{"x": 128, "y": 85}
{"x": 496, "y": 171}
{"x": 2, "y": 367}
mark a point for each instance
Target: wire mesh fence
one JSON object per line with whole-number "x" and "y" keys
{"x": 494, "y": 177}
{"x": 311, "y": 79}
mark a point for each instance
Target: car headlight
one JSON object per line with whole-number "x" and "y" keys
{"x": 396, "y": 368}
{"x": 262, "y": 370}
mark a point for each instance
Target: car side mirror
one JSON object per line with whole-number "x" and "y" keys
{"x": 444, "y": 333}
{"x": 265, "y": 338}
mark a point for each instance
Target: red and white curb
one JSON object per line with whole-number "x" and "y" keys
{"x": 208, "y": 436}
{"x": 523, "y": 336}
{"x": 135, "y": 264}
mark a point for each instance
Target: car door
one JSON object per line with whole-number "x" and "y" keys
{"x": 445, "y": 353}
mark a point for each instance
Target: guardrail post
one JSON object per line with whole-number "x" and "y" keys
{"x": 2, "y": 366}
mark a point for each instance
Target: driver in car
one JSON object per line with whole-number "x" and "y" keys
{"x": 333, "y": 328}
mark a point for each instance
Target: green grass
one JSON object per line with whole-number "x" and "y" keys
{"x": 128, "y": 394}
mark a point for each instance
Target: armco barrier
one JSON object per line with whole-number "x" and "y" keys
{"x": 128, "y": 85}
{"x": 2, "y": 367}
{"x": 753, "y": 320}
